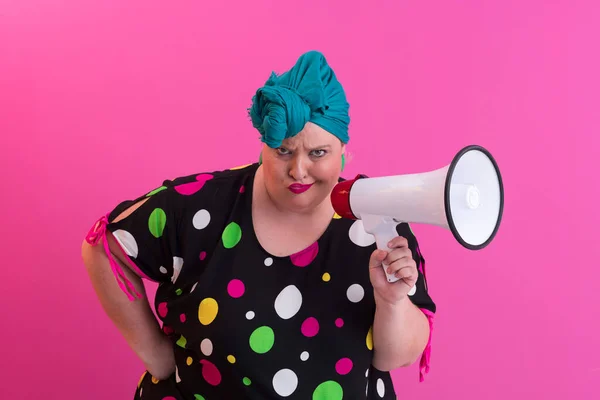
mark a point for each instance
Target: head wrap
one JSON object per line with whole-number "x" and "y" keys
{"x": 309, "y": 91}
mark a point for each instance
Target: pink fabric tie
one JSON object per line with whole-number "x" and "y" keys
{"x": 98, "y": 232}
{"x": 426, "y": 357}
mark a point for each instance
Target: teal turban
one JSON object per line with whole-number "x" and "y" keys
{"x": 309, "y": 91}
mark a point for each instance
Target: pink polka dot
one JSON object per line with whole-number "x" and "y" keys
{"x": 343, "y": 366}
{"x": 168, "y": 330}
{"x": 192, "y": 187}
{"x": 339, "y": 322}
{"x": 236, "y": 288}
{"x": 182, "y": 317}
{"x": 202, "y": 255}
{"x": 210, "y": 373}
{"x": 169, "y": 398}
{"x": 310, "y": 327}
{"x": 242, "y": 189}
{"x": 162, "y": 310}
{"x": 306, "y": 256}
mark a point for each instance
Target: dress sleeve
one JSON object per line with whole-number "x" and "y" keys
{"x": 147, "y": 237}
{"x": 420, "y": 295}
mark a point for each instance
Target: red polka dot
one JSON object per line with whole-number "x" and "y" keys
{"x": 210, "y": 373}
{"x": 242, "y": 189}
{"x": 182, "y": 317}
{"x": 162, "y": 310}
{"x": 310, "y": 327}
{"x": 202, "y": 255}
{"x": 343, "y": 366}
{"x": 169, "y": 398}
{"x": 236, "y": 288}
{"x": 168, "y": 330}
{"x": 339, "y": 322}
{"x": 306, "y": 256}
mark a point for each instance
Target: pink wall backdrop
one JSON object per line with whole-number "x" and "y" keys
{"x": 100, "y": 100}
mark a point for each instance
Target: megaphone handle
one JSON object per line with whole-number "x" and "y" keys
{"x": 384, "y": 230}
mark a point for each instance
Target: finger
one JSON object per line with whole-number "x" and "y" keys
{"x": 403, "y": 263}
{"x": 408, "y": 274}
{"x": 377, "y": 258}
{"x": 398, "y": 241}
{"x": 397, "y": 254}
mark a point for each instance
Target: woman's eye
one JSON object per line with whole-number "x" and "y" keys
{"x": 282, "y": 151}
{"x": 319, "y": 153}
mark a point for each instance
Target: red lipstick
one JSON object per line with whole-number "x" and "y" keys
{"x": 298, "y": 188}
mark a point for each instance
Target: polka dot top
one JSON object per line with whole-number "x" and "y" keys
{"x": 244, "y": 323}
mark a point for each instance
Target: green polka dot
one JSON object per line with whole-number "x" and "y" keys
{"x": 329, "y": 390}
{"x": 160, "y": 189}
{"x": 231, "y": 235}
{"x": 179, "y": 291}
{"x": 198, "y": 397}
{"x": 246, "y": 381}
{"x": 157, "y": 222}
{"x": 262, "y": 339}
{"x": 182, "y": 342}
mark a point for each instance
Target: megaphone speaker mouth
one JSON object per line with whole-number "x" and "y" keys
{"x": 474, "y": 197}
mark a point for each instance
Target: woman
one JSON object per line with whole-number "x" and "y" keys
{"x": 264, "y": 292}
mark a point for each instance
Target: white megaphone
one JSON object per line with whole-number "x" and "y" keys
{"x": 465, "y": 197}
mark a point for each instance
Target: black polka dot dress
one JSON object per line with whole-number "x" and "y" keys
{"x": 244, "y": 323}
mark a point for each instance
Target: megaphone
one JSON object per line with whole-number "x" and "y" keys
{"x": 465, "y": 197}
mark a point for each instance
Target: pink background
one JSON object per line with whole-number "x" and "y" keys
{"x": 100, "y": 100}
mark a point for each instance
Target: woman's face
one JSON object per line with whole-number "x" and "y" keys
{"x": 300, "y": 174}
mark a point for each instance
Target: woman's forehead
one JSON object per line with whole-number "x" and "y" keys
{"x": 311, "y": 136}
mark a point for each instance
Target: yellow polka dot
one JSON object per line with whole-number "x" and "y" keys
{"x": 370, "y": 339}
{"x": 336, "y": 216}
{"x": 142, "y": 378}
{"x": 326, "y": 277}
{"x": 207, "y": 311}
{"x": 240, "y": 167}
{"x": 189, "y": 361}
{"x": 154, "y": 380}
{"x": 231, "y": 359}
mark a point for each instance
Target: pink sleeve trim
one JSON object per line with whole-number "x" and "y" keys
{"x": 426, "y": 357}
{"x": 98, "y": 232}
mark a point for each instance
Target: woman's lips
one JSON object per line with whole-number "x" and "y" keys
{"x": 298, "y": 188}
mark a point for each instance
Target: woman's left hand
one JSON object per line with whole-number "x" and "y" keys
{"x": 400, "y": 262}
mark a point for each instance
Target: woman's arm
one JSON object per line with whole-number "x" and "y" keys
{"x": 134, "y": 319}
{"x": 400, "y": 334}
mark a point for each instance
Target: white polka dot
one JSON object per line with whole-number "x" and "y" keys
{"x": 141, "y": 390}
{"x": 304, "y": 356}
{"x": 268, "y": 261}
{"x": 206, "y": 347}
{"x": 177, "y": 264}
{"x": 201, "y": 219}
{"x": 285, "y": 382}
{"x": 359, "y": 236}
{"x": 177, "y": 378}
{"x": 367, "y": 389}
{"x": 250, "y": 315}
{"x": 163, "y": 270}
{"x": 194, "y": 287}
{"x": 413, "y": 290}
{"x": 367, "y": 373}
{"x": 380, "y": 388}
{"x": 288, "y": 302}
{"x": 355, "y": 293}
{"x": 127, "y": 242}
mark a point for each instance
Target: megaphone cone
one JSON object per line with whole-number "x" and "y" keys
{"x": 466, "y": 197}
